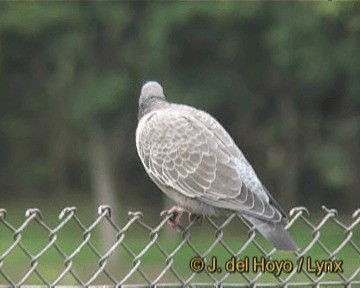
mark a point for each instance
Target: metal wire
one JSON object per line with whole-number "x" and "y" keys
{"x": 70, "y": 252}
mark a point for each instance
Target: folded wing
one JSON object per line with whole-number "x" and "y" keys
{"x": 189, "y": 151}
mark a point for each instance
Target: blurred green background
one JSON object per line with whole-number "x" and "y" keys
{"x": 282, "y": 78}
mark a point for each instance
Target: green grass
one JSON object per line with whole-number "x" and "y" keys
{"x": 85, "y": 263}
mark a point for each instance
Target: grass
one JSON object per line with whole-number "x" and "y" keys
{"x": 85, "y": 263}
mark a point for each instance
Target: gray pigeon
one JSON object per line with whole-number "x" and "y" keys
{"x": 195, "y": 162}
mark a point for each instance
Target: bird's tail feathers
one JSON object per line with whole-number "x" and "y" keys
{"x": 274, "y": 233}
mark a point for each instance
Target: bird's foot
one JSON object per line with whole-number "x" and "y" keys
{"x": 195, "y": 218}
{"x": 175, "y": 219}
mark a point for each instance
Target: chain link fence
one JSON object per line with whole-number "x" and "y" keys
{"x": 219, "y": 252}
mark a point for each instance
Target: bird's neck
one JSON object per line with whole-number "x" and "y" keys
{"x": 151, "y": 103}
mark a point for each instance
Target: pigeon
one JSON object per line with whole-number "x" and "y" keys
{"x": 192, "y": 159}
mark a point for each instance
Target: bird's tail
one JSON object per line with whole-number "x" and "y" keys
{"x": 274, "y": 233}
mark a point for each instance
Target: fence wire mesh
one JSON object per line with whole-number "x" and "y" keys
{"x": 221, "y": 252}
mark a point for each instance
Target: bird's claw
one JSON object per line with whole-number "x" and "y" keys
{"x": 176, "y": 213}
{"x": 193, "y": 218}
{"x": 175, "y": 219}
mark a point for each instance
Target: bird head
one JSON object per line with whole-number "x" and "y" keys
{"x": 151, "y": 89}
{"x": 151, "y": 93}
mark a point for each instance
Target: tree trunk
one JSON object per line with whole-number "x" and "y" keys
{"x": 288, "y": 179}
{"x": 102, "y": 180}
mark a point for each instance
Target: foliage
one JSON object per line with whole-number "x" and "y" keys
{"x": 281, "y": 77}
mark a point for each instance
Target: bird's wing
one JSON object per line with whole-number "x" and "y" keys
{"x": 188, "y": 150}
{"x": 248, "y": 174}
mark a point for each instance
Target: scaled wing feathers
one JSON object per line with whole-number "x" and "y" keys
{"x": 188, "y": 150}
